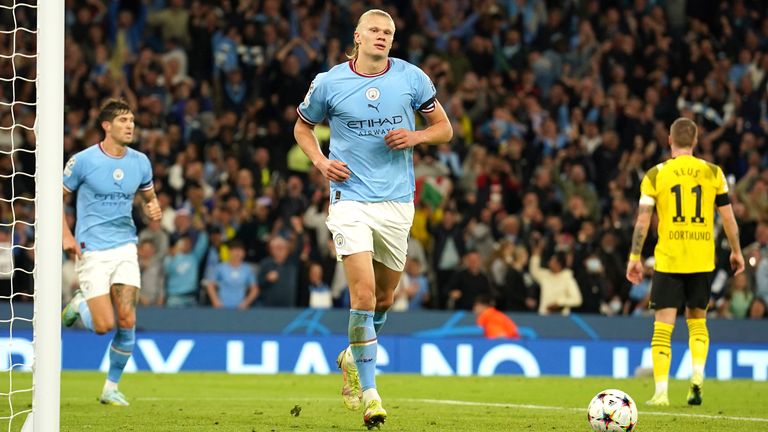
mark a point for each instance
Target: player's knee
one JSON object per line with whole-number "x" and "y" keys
{"x": 383, "y": 303}
{"x": 363, "y": 300}
{"x": 103, "y": 327}
{"x": 127, "y": 322}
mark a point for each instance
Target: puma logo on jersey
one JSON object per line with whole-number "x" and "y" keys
{"x": 376, "y": 107}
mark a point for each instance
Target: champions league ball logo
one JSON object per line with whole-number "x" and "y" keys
{"x": 69, "y": 166}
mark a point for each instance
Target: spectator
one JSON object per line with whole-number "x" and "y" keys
{"x": 413, "y": 287}
{"x": 447, "y": 251}
{"x": 575, "y": 184}
{"x": 155, "y": 234}
{"x": 738, "y": 299}
{"x": 172, "y": 21}
{"x": 559, "y": 291}
{"x": 756, "y": 255}
{"x": 758, "y": 309}
{"x": 255, "y": 231}
{"x": 468, "y": 283}
{"x": 319, "y": 292}
{"x": 479, "y": 235}
{"x": 590, "y": 275}
{"x": 515, "y": 291}
{"x": 617, "y": 288}
{"x": 233, "y": 283}
{"x": 278, "y": 274}
{"x": 495, "y": 324}
{"x": 217, "y": 253}
{"x": 500, "y": 261}
{"x": 152, "y": 292}
{"x": 181, "y": 270}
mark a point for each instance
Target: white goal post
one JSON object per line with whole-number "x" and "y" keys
{"x": 48, "y": 215}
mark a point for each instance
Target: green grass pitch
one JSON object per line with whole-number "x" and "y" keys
{"x": 220, "y": 402}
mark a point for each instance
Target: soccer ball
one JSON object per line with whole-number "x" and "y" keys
{"x": 612, "y": 410}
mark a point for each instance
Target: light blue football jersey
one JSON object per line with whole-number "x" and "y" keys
{"x": 105, "y": 188}
{"x": 361, "y": 110}
{"x": 233, "y": 283}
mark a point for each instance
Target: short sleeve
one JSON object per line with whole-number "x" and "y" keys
{"x": 647, "y": 189}
{"x": 218, "y": 274}
{"x": 721, "y": 183}
{"x": 423, "y": 90}
{"x": 73, "y": 177}
{"x": 146, "y": 174}
{"x": 251, "y": 278}
{"x": 314, "y": 108}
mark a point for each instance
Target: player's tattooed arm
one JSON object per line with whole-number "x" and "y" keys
{"x": 644, "y": 214}
{"x": 634, "y": 266}
{"x": 151, "y": 205}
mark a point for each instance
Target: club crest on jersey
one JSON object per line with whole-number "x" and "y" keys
{"x": 118, "y": 174}
{"x": 339, "y": 240}
{"x": 372, "y": 94}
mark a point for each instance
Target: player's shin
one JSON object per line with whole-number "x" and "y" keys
{"x": 379, "y": 318}
{"x": 661, "y": 351}
{"x": 362, "y": 342}
{"x": 119, "y": 352}
{"x": 85, "y": 315}
{"x": 698, "y": 342}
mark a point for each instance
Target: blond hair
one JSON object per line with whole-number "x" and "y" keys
{"x": 379, "y": 12}
{"x": 683, "y": 133}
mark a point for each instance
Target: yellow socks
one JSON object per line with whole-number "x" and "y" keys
{"x": 661, "y": 351}
{"x": 698, "y": 342}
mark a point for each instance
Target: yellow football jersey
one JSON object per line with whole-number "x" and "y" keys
{"x": 684, "y": 191}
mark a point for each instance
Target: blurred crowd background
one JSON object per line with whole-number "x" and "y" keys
{"x": 558, "y": 109}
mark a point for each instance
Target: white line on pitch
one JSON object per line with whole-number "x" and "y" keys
{"x": 545, "y": 407}
{"x": 455, "y": 402}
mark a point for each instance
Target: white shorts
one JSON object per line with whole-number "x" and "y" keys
{"x": 380, "y": 227}
{"x": 99, "y": 270}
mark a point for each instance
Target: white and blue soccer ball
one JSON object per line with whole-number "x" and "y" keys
{"x": 612, "y": 410}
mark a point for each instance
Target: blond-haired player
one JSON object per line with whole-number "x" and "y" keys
{"x": 370, "y": 103}
{"x": 685, "y": 191}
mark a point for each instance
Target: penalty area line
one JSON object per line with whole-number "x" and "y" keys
{"x": 558, "y": 408}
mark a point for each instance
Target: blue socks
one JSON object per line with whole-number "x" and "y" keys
{"x": 362, "y": 342}
{"x": 379, "y": 318}
{"x": 120, "y": 351}
{"x": 85, "y": 315}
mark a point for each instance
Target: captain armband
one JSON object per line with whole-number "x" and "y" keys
{"x": 722, "y": 200}
{"x": 647, "y": 200}
{"x": 429, "y": 105}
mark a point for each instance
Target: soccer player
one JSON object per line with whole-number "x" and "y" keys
{"x": 685, "y": 191}
{"x": 106, "y": 177}
{"x": 370, "y": 103}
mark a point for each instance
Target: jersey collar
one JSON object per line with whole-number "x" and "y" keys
{"x": 352, "y": 67}
{"x": 101, "y": 147}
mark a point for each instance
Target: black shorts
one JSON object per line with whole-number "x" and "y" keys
{"x": 671, "y": 290}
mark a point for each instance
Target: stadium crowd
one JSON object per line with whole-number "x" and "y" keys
{"x": 558, "y": 108}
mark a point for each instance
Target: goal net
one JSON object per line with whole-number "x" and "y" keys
{"x": 31, "y": 152}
